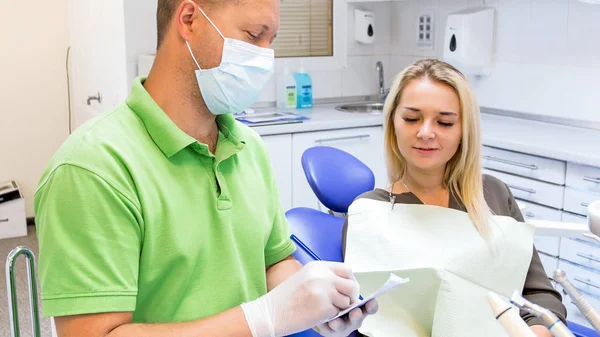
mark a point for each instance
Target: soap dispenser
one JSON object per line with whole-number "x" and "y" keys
{"x": 303, "y": 88}
{"x": 469, "y": 40}
{"x": 286, "y": 89}
{"x": 364, "y": 26}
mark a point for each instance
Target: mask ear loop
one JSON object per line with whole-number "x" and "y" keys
{"x": 193, "y": 57}
{"x": 210, "y": 21}
{"x": 214, "y": 26}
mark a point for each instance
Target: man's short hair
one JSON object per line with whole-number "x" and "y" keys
{"x": 164, "y": 14}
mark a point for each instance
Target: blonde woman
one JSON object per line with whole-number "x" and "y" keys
{"x": 432, "y": 144}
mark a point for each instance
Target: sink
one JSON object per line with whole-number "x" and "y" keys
{"x": 366, "y": 107}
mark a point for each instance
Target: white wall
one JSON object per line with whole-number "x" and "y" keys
{"x": 547, "y": 57}
{"x": 140, "y": 32}
{"x": 33, "y": 89}
{"x": 358, "y": 77}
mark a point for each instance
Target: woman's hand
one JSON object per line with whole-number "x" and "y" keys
{"x": 541, "y": 331}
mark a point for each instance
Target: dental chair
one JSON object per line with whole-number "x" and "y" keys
{"x": 581, "y": 331}
{"x": 337, "y": 178}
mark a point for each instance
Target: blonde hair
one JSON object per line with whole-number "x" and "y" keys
{"x": 463, "y": 171}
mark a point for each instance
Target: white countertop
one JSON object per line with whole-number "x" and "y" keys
{"x": 556, "y": 141}
{"x": 322, "y": 117}
{"x": 550, "y": 140}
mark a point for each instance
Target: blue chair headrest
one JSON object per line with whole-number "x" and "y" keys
{"x": 336, "y": 177}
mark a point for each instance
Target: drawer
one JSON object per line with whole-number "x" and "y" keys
{"x": 13, "y": 221}
{"x": 577, "y": 201}
{"x": 574, "y": 218}
{"x": 526, "y": 165}
{"x": 537, "y": 212}
{"x": 582, "y": 278}
{"x": 13, "y": 206}
{"x": 577, "y": 219}
{"x": 583, "y": 177}
{"x": 582, "y": 252}
{"x": 544, "y": 244}
{"x": 532, "y": 190}
{"x": 547, "y": 244}
{"x": 550, "y": 264}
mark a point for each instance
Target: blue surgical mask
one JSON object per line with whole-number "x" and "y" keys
{"x": 238, "y": 81}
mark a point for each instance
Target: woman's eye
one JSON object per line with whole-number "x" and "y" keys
{"x": 446, "y": 124}
{"x": 252, "y": 36}
{"x": 410, "y": 120}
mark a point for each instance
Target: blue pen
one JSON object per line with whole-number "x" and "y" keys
{"x": 310, "y": 252}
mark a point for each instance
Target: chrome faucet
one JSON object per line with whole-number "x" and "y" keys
{"x": 379, "y": 69}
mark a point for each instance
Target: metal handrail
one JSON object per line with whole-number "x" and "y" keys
{"x": 12, "y": 293}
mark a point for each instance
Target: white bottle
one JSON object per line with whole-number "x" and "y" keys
{"x": 286, "y": 89}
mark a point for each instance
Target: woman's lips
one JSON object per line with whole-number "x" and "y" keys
{"x": 425, "y": 150}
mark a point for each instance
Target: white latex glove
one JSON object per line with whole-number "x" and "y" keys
{"x": 345, "y": 325}
{"x": 318, "y": 291}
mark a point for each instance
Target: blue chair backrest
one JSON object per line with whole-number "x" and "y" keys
{"x": 336, "y": 177}
{"x": 320, "y": 232}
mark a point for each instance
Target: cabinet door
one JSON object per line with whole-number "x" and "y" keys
{"x": 366, "y": 144}
{"x": 280, "y": 152}
{"x": 97, "y": 63}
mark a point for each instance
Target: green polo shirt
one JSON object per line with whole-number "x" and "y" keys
{"x": 134, "y": 215}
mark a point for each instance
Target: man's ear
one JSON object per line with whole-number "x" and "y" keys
{"x": 186, "y": 14}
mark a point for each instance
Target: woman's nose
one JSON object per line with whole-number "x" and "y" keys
{"x": 426, "y": 131}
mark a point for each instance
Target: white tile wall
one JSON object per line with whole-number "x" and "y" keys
{"x": 356, "y": 75}
{"x": 547, "y": 43}
{"x": 382, "y": 44}
{"x": 513, "y": 21}
{"x": 547, "y": 58}
{"x": 404, "y": 27}
{"x": 547, "y": 54}
{"x": 583, "y": 34}
{"x": 269, "y": 93}
{"x": 399, "y": 62}
{"x": 359, "y": 77}
{"x": 327, "y": 84}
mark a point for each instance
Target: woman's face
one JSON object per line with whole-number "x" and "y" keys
{"x": 427, "y": 123}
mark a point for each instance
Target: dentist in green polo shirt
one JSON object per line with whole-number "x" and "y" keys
{"x": 162, "y": 217}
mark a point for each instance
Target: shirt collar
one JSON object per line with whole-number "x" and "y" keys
{"x": 164, "y": 132}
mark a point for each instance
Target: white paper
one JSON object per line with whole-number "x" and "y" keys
{"x": 393, "y": 282}
{"x": 451, "y": 267}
